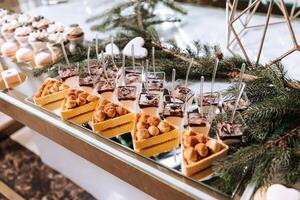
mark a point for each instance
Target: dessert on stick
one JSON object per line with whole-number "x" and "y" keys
{"x": 182, "y": 93}
{"x": 231, "y": 131}
{"x": 199, "y": 122}
{"x": 127, "y": 97}
{"x": 173, "y": 112}
{"x": 111, "y": 120}
{"x": 107, "y": 85}
{"x": 149, "y": 103}
{"x": 152, "y": 136}
{"x": 211, "y": 100}
{"x": 244, "y": 103}
{"x": 68, "y": 74}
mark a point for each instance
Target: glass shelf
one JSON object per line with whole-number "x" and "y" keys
{"x": 164, "y": 167}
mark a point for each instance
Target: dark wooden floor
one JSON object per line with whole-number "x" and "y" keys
{"x": 23, "y": 173}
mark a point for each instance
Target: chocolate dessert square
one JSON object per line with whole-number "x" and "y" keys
{"x": 195, "y": 119}
{"x": 209, "y": 98}
{"x": 173, "y": 109}
{"x": 182, "y": 93}
{"x": 127, "y": 93}
{"x": 85, "y": 79}
{"x": 65, "y": 73}
{"x": 106, "y": 86}
{"x": 227, "y": 130}
{"x": 149, "y": 100}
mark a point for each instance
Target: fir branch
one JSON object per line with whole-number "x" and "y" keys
{"x": 263, "y": 160}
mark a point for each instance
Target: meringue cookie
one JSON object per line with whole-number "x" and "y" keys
{"x": 57, "y": 27}
{"x": 43, "y": 23}
{"x": 25, "y": 19}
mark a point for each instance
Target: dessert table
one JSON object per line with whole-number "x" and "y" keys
{"x": 104, "y": 167}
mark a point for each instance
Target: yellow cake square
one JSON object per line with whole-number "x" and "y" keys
{"x": 77, "y": 102}
{"x": 152, "y": 136}
{"x": 51, "y": 91}
{"x": 110, "y": 119}
{"x": 199, "y": 152}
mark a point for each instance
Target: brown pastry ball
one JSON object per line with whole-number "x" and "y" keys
{"x": 200, "y": 138}
{"x": 164, "y": 127}
{"x": 63, "y": 87}
{"x": 81, "y": 101}
{"x": 83, "y": 95}
{"x": 91, "y": 98}
{"x": 72, "y": 92}
{"x": 142, "y": 125}
{"x": 142, "y": 134}
{"x": 190, "y": 154}
{"x": 77, "y": 92}
{"x": 202, "y": 149}
{"x": 70, "y": 103}
{"x": 110, "y": 110}
{"x": 153, "y": 130}
{"x": 153, "y": 121}
{"x": 99, "y": 116}
{"x": 213, "y": 145}
{"x": 121, "y": 111}
{"x": 143, "y": 118}
{"x": 189, "y": 141}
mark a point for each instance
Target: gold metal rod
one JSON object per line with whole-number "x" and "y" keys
{"x": 244, "y": 11}
{"x": 291, "y": 30}
{"x": 265, "y": 31}
{"x": 240, "y": 43}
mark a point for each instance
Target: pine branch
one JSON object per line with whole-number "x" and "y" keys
{"x": 114, "y": 11}
{"x": 264, "y": 160}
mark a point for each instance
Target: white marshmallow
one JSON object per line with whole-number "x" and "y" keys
{"x": 139, "y": 50}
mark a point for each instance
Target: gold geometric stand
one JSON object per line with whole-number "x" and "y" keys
{"x": 244, "y": 17}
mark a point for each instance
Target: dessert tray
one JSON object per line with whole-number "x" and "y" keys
{"x": 109, "y": 128}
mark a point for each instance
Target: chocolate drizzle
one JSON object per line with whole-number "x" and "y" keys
{"x": 209, "y": 98}
{"x": 173, "y": 109}
{"x": 154, "y": 84}
{"x": 127, "y": 93}
{"x": 148, "y": 100}
{"x": 195, "y": 119}
{"x": 182, "y": 93}
{"x": 227, "y": 130}
{"x": 106, "y": 86}
{"x": 66, "y": 73}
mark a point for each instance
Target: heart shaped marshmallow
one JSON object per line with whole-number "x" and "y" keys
{"x": 112, "y": 48}
{"x": 139, "y": 50}
{"x": 280, "y": 192}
